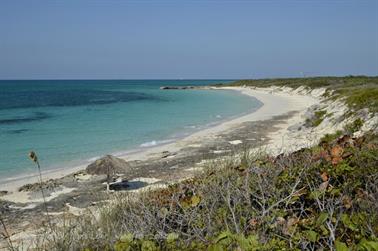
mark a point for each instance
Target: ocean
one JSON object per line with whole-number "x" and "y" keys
{"x": 73, "y": 122}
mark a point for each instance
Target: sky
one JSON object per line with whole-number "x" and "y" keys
{"x": 77, "y": 39}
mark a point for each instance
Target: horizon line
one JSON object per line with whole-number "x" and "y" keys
{"x": 185, "y": 79}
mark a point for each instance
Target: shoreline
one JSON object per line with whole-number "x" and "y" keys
{"x": 275, "y": 103}
{"x": 74, "y": 192}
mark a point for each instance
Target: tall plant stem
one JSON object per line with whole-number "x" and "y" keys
{"x": 43, "y": 195}
{"x": 7, "y": 234}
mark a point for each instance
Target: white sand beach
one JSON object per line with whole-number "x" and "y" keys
{"x": 275, "y": 101}
{"x": 289, "y": 132}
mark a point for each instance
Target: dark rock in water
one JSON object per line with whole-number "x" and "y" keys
{"x": 108, "y": 165}
{"x": 176, "y": 87}
{"x": 183, "y": 87}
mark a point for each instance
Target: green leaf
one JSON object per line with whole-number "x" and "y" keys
{"x": 294, "y": 199}
{"x": 335, "y": 191}
{"x": 321, "y": 219}
{"x": 247, "y": 243}
{"x": 172, "y": 237}
{"x": 324, "y": 230}
{"x": 149, "y": 246}
{"x": 341, "y": 246}
{"x": 127, "y": 238}
{"x": 215, "y": 247}
{"x": 358, "y": 218}
{"x": 195, "y": 200}
{"x": 122, "y": 246}
{"x": 163, "y": 212}
{"x": 347, "y": 222}
{"x": 311, "y": 235}
{"x": 242, "y": 242}
{"x": 368, "y": 245}
{"x": 316, "y": 194}
{"x": 223, "y": 235}
{"x": 253, "y": 239}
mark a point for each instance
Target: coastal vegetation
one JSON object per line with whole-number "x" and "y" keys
{"x": 321, "y": 197}
{"x": 358, "y": 92}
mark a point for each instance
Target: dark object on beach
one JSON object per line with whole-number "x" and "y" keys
{"x": 3, "y": 192}
{"x": 108, "y": 165}
{"x": 118, "y": 186}
{"x": 188, "y": 87}
{"x": 49, "y": 185}
{"x": 166, "y": 154}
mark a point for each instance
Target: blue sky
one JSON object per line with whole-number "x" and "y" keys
{"x": 187, "y": 39}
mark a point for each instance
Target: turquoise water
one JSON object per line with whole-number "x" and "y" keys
{"x": 72, "y": 122}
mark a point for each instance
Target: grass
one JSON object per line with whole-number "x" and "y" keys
{"x": 318, "y": 198}
{"x": 358, "y": 91}
{"x": 361, "y": 98}
{"x": 354, "y": 126}
{"x": 327, "y": 138}
{"x": 317, "y": 119}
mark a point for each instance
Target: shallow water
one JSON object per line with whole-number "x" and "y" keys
{"x": 71, "y": 122}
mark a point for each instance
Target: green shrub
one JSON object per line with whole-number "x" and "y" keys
{"x": 317, "y": 119}
{"x": 354, "y": 126}
{"x": 316, "y": 198}
{"x": 363, "y": 98}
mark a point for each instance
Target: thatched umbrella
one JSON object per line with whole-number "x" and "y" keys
{"x": 108, "y": 165}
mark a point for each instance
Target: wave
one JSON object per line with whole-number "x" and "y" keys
{"x": 156, "y": 142}
{"x": 93, "y": 159}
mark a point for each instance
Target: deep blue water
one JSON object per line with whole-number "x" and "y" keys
{"x": 70, "y": 122}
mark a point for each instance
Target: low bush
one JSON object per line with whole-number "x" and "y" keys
{"x": 324, "y": 197}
